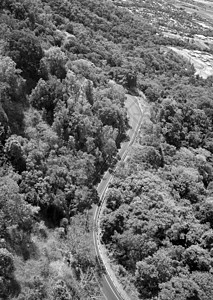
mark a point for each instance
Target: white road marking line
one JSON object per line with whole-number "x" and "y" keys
{"x": 98, "y": 209}
{"x": 111, "y": 287}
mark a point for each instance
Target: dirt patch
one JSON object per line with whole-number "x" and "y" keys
{"x": 202, "y": 61}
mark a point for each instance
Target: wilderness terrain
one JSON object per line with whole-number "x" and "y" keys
{"x": 66, "y": 67}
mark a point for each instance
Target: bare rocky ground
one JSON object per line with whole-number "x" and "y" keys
{"x": 202, "y": 61}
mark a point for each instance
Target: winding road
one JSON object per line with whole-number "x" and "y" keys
{"x": 135, "y": 113}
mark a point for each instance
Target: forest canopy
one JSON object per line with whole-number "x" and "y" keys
{"x": 65, "y": 69}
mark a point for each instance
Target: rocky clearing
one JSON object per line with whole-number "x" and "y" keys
{"x": 203, "y": 62}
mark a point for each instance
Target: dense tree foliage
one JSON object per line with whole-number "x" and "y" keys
{"x": 65, "y": 67}
{"x": 158, "y": 218}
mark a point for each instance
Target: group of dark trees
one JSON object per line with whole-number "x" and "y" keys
{"x": 157, "y": 223}
{"x": 61, "y": 123}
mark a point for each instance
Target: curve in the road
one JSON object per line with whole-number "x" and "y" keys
{"x": 135, "y": 113}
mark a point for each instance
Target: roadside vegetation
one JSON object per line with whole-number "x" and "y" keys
{"x": 65, "y": 67}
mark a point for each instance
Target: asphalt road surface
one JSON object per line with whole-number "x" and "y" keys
{"x": 135, "y": 114}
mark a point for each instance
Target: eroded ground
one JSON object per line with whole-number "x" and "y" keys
{"x": 202, "y": 61}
